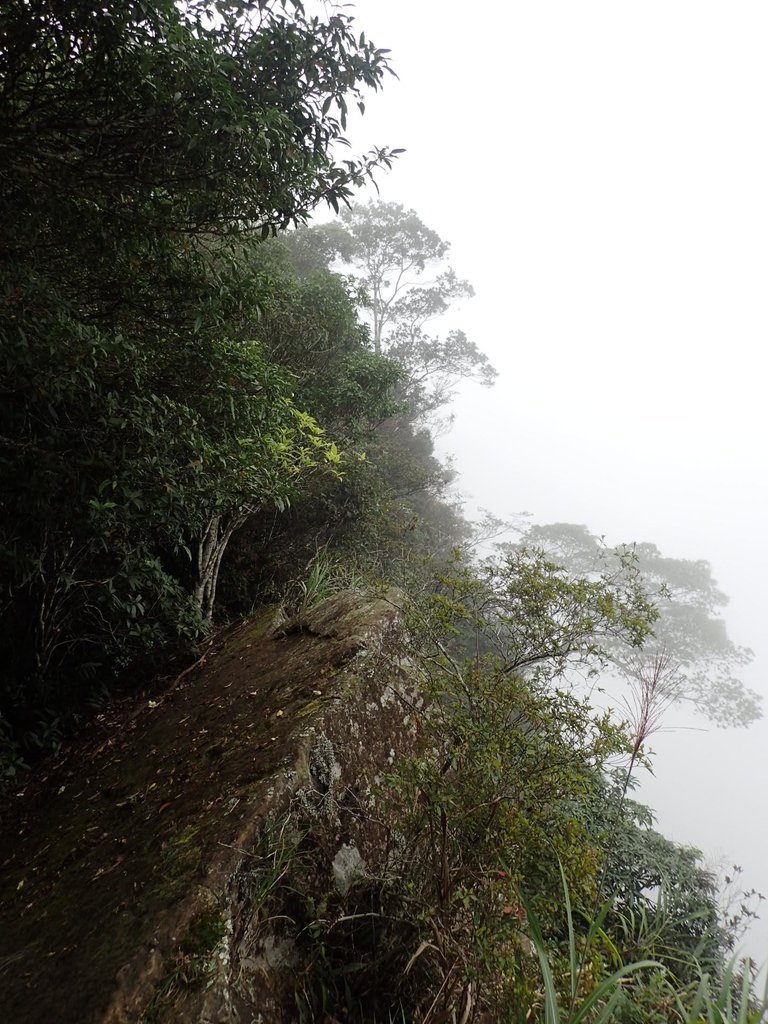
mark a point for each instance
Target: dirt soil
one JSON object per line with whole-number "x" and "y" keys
{"x": 100, "y": 849}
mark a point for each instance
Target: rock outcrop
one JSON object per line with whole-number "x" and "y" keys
{"x": 135, "y": 870}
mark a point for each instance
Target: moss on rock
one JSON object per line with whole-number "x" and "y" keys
{"x": 105, "y": 853}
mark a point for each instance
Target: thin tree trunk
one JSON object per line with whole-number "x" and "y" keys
{"x": 210, "y": 551}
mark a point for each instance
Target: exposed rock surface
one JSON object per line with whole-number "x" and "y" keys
{"x": 133, "y": 870}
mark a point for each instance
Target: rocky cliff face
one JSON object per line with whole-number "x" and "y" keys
{"x": 137, "y": 872}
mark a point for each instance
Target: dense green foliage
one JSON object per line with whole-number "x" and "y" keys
{"x": 144, "y": 150}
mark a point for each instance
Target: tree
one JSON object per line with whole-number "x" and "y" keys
{"x": 391, "y": 248}
{"x": 206, "y": 115}
{"x": 399, "y": 263}
{"x": 389, "y": 509}
{"x": 144, "y": 150}
{"x": 310, "y": 325}
{"x": 533, "y": 617}
{"x": 690, "y": 652}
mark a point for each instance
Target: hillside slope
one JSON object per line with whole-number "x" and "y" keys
{"x": 132, "y": 869}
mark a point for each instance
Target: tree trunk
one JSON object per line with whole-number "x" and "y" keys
{"x": 210, "y": 551}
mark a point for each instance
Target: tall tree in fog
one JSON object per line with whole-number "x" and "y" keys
{"x": 690, "y": 656}
{"x": 400, "y": 265}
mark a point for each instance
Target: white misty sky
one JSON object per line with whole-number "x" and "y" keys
{"x": 601, "y": 170}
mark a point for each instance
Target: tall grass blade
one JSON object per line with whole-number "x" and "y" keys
{"x": 609, "y": 989}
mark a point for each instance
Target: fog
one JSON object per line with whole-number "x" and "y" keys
{"x": 600, "y": 170}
